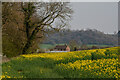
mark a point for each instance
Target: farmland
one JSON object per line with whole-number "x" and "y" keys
{"x": 97, "y": 63}
{"x": 51, "y": 46}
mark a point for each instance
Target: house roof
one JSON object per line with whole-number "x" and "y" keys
{"x": 60, "y": 47}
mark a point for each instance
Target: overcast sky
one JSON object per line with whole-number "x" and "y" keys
{"x": 102, "y": 16}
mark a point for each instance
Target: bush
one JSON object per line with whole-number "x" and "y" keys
{"x": 9, "y": 49}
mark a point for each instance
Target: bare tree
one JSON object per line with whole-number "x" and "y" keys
{"x": 48, "y": 15}
{"x": 73, "y": 45}
{"x": 36, "y": 19}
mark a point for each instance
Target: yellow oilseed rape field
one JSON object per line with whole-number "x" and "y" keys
{"x": 96, "y": 63}
{"x": 101, "y": 68}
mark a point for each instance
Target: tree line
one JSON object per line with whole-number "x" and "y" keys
{"x": 81, "y": 37}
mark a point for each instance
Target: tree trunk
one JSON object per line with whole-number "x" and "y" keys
{"x": 29, "y": 41}
{"x": 26, "y": 47}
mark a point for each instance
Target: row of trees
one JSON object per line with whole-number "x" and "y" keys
{"x": 82, "y": 37}
{"x": 26, "y": 24}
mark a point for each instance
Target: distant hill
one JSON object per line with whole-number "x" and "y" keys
{"x": 119, "y": 38}
{"x": 82, "y": 37}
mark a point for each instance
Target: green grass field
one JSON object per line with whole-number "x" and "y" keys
{"x": 46, "y": 46}
{"x": 97, "y": 63}
{"x": 90, "y": 45}
{"x": 50, "y": 46}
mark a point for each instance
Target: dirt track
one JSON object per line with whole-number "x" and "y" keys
{"x": 4, "y": 59}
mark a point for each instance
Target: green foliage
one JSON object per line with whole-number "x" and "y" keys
{"x": 10, "y": 49}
